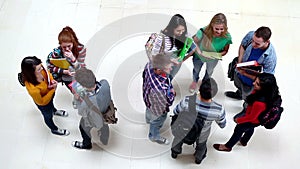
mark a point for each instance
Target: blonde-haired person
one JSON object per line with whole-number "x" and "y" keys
{"x": 212, "y": 38}
{"x": 71, "y": 49}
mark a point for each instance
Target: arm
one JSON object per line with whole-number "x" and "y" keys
{"x": 35, "y": 93}
{"x": 225, "y": 51}
{"x": 221, "y": 121}
{"x": 182, "y": 105}
{"x": 56, "y": 54}
{"x": 241, "y": 53}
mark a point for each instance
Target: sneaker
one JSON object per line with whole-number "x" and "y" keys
{"x": 61, "y": 132}
{"x": 61, "y": 113}
{"x": 193, "y": 87}
{"x": 161, "y": 140}
{"x": 79, "y": 145}
{"x": 234, "y": 95}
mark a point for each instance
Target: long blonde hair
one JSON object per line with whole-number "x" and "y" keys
{"x": 219, "y": 18}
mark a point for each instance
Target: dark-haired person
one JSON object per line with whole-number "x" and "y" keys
{"x": 209, "y": 110}
{"x": 41, "y": 87}
{"x": 71, "y": 49}
{"x": 158, "y": 95}
{"x": 175, "y": 35}
{"x": 254, "y": 46}
{"x": 265, "y": 92}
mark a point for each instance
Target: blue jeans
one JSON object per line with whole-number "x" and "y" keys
{"x": 210, "y": 66}
{"x": 242, "y": 132}
{"x": 47, "y": 112}
{"x": 156, "y": 122}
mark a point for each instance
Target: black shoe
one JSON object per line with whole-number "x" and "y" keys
{"x": 79, "y": 145}
{"x": 198, "y": 160}
{"x": 243, "y": 143}
{"x": 174, "y": 155}
{"x": 104, "y": 134}
{"x": 234, "y": 95}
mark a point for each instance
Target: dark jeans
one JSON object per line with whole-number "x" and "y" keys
{"x": 177, "y": 145}
{"x": 242, "y": 132}
{"x": 47, "y": 112}
{"x": 86, "y": 135}
{"x": 200, "y": 152}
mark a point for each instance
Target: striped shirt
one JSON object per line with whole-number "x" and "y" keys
{"x": 156, "y": 91}
{"x": 212, "y": 111}
{"x": 169, "y": 45}
{"x": 57, "y": 53}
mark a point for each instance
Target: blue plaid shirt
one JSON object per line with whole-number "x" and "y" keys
{"x": 157, "y": 93}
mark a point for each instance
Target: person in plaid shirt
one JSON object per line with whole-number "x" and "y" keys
{"x": 158, "y": 94}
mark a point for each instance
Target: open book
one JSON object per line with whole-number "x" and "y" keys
{"x": 61, "y": 63}
{"x": 212, "y": 55}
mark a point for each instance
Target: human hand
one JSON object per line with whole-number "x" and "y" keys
{"x": 53, "y": 84}
{"x": 68, "y": 72}
{"x": 241, "y": 70}
{"x": 68, "y": 54}
{"x": 76, "y": 96}
{"x": 235, "y": 120}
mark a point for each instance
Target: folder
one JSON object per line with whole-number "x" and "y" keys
{"x": 61, "y": 63}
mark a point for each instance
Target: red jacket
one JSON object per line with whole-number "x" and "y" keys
{"x": 252, "y": 113}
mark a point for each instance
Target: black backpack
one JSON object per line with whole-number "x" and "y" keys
{"x": 187, "y": 125}
{"x": 270, "y": 117}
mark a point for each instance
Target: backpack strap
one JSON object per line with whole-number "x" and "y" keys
{"x": 163, "y": 43}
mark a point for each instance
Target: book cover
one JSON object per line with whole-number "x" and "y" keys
{"x": 61, "y": 63}
{"x": 248, "y": 63}
{"x": 212, "y": 55}
{"x": 76, "y": 87}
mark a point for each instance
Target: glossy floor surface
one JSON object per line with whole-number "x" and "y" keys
{"x": 114, "y": 32}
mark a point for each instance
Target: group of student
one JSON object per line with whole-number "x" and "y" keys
{"x": 41, "y": 83}
{"x": 258, "y": 89}
{"x": 209, "y": 44}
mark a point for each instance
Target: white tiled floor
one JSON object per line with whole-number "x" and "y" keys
{"x": 114, "y": 32}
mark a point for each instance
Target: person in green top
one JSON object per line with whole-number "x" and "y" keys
{"x": 213, "y": 42}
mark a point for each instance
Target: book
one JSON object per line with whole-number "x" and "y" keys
{"x": 61, "y": 63}
{"x": 76, "y": 87}
{"x": 251, "y": 67}
{"x": 212, "y": 55}
{"x": 248, "y": 63}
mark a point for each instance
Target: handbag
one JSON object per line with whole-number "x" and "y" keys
{"x": 109, "y": 117}
{"x": 150, "y": 44}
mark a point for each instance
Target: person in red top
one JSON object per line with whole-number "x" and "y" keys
{"x": 261, "y": 99}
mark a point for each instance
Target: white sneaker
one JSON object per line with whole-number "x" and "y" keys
{"x": 61, "y": 132}
{"x": 161, "y": 140}
{"x": 61, "y": 113}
